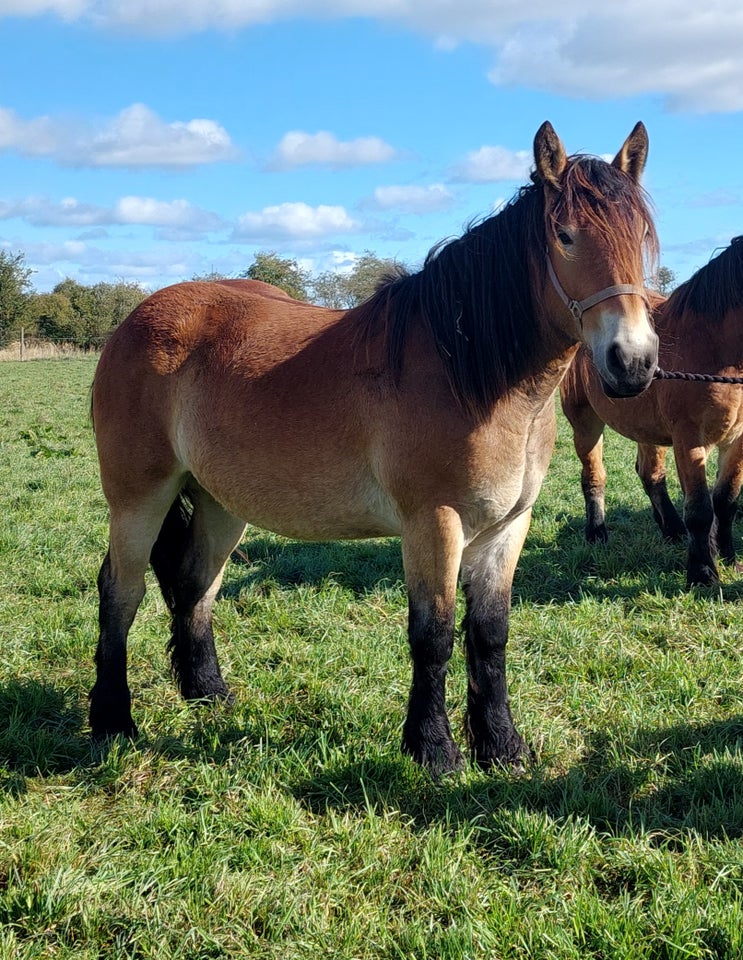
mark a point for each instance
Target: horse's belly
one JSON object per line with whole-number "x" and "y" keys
{"x": 294, "y": 502}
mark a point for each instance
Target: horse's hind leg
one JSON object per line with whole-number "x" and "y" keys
{"x": 651, "y": 468}
{"x": 725, "y": 497}
{"x": 133, "y": 530}
{"x": 487, "y": 575}
{"x": 189, "y": 557}
{"x": 432, "y": 550}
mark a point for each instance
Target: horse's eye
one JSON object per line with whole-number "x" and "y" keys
{"x": 564, "y": 238}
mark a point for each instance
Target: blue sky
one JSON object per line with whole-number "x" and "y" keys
{"x": 153, "y": 140}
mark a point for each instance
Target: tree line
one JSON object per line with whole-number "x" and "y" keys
{"x": 86, "y": 314}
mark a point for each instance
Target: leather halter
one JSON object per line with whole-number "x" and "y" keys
{"x": 579, "y": 307}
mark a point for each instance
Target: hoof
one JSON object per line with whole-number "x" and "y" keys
{"x": 439, "y": 759}
{"x": 216, "y": 693}
{"x": 516, "y": 765}
{"x": 672, "y": 533}
{"x": 513, "y": 754}
{"x": 111, "y": 716}
{"x": 598, "y": 534}
{"x": 107, "y": 731}
{"x": 702, "y": 576}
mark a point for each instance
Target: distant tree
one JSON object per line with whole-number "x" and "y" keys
{"x": 52, "y": 316}
{"x": 281, "y": 272}
{"x": 81, "y": 300}
{"x": 329, "y": 289}
{"x": 664, "y": 280}
{"x": 115, "y": 301}
{"x": 334, "y": 289}
{"x": 210, "y": 276}
{"x": 369, "y": 270}
{"x": 99, "y": 308}
{"x": 14, "y": 285}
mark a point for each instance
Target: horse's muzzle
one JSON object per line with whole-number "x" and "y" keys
{"x": 627, "y": 373}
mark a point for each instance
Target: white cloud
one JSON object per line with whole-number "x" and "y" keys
{"x": 294, "y": 221}
{"x": 688, "y": 53}
{"x": 42, "y": 212}
{"x": 685, "y": 51}
{"x": 299, "y": 149}
{"x": 66, "y": 9}
{"x": 90, "y": 263}
{"x": 165, "y": 213}
{"x": 128, "y": 211}
{"x": 413, "y": 199}
{"x": 36, "y": 137}
{"x": 491, "y": 164}
{"x": 136, "y": 137}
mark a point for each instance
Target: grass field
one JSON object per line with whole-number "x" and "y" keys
{"x": 289, "y": 825}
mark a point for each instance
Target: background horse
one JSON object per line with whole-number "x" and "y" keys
{"x": 701, "y": 331}
{"x": 426, "y": 412}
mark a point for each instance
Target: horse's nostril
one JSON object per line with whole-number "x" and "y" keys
{"x": 616, "y": 359}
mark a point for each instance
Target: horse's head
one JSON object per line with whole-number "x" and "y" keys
{"x": 598, "y": 230}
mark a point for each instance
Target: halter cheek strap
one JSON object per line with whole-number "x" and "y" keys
{"x": 579, "y": 307}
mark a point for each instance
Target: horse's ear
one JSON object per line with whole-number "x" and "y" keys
{"x": 549, "y": 155}
{"x": 631, "y": 158}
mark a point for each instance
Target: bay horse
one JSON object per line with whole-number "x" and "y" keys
{"x": 701, "y": 331}
{"x": 426, "y": 412}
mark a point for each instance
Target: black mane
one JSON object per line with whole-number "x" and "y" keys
{"x": 475, "y": 296}
{"x": 715, "y": 289}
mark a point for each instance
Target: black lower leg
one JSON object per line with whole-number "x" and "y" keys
{"x": 699, "y": 517}
{"x": 667, "y": 517}
{"x": 110, "y": 700}
{"x": 492, "y": 735}
{"x": 193, "y": 653}
{"x": 426, "y": 733}
{"x": 596, "y": 531}
{"x": 725, "y": 508}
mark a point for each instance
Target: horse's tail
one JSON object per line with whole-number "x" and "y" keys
{"x": 169, "y": 548}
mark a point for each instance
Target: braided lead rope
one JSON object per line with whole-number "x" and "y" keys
{"x": 700, "y": 377}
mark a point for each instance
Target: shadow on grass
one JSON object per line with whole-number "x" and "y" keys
{"x": 636, "y": 559}
{"x": 40, "y": 733}
{"x": 560, "y": 569}
{"x": 358, "y": 565}
{"x": 698, "y": 768}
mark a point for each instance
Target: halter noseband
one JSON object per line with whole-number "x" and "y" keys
{"x": 579, "y": 307}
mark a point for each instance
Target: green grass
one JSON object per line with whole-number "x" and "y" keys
{"x": 289, "y": 825}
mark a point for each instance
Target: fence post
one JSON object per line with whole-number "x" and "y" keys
{"x": 23, "y": 343}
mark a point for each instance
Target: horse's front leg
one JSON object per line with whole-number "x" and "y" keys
{"x": 691, "y": 464}
{"x": 588, "y": 439}
{"x": 432, "y": 551}
{"x": 487, "y": 575}
{"x": 651, "y": 469}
